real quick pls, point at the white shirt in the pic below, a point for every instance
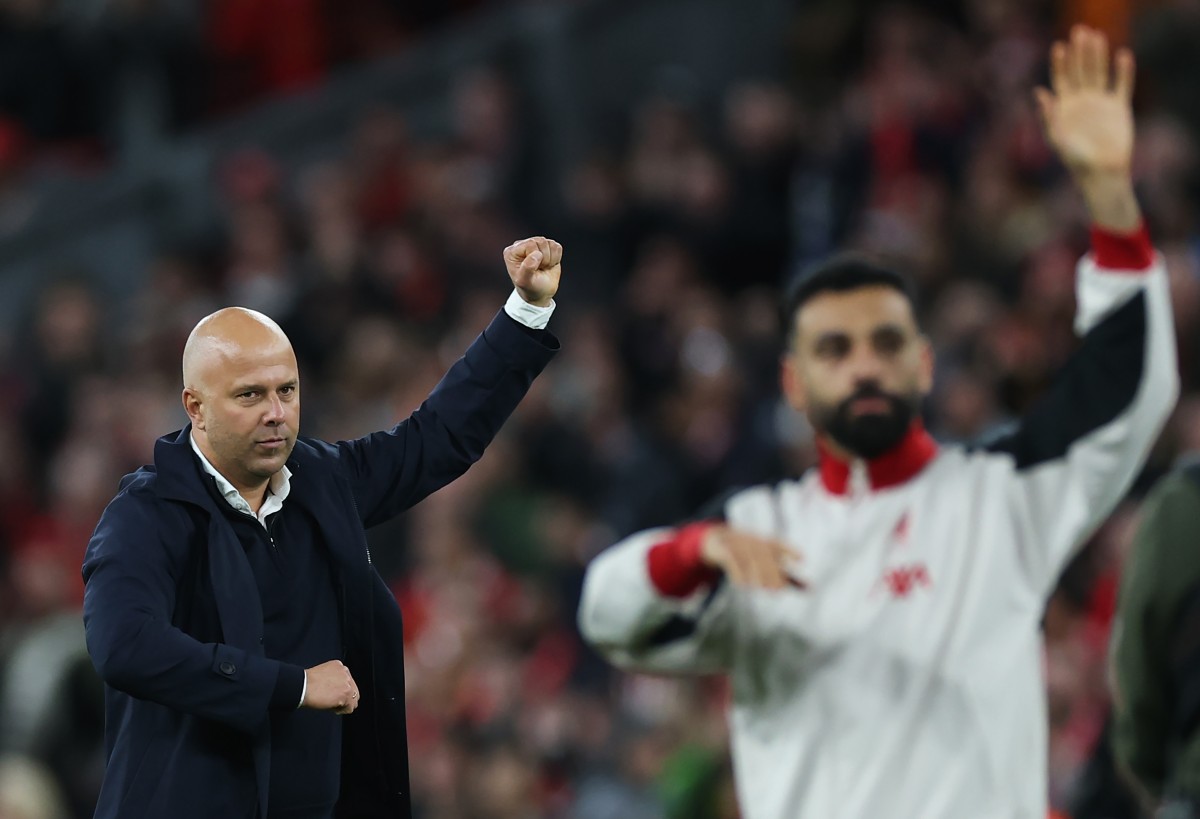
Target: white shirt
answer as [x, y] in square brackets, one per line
[277, 489]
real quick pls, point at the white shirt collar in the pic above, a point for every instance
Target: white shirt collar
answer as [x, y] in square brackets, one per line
[277, 489]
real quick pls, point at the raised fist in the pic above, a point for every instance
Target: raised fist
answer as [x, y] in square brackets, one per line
[534, 266]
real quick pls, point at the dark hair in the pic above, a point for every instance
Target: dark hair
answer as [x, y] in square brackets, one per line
[840, 273]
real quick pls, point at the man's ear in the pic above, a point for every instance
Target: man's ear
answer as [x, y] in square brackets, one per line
[792, 383]
[193, 405]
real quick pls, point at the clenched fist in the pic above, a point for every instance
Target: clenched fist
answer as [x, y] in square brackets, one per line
[534, 266]
[330, 688]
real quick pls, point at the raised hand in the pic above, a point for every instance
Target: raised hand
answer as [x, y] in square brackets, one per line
[1088, 117]
[749, 560]
[329, 687]
[534, 265]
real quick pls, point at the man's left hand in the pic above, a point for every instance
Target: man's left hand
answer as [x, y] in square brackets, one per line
[1089, 120]
[1088, 117]
[534, 265]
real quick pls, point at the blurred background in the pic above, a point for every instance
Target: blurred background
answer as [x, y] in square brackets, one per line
[354, 169]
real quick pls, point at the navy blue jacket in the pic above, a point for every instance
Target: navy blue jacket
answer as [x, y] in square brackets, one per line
[174, 623]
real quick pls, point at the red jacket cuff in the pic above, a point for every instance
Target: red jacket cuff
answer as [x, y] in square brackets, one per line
[1122, 251]
[674, 565]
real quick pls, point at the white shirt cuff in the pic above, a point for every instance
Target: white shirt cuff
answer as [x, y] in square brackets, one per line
[532, 316]
[303, 691]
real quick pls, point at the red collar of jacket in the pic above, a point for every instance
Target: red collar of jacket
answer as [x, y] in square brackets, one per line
[896, 466]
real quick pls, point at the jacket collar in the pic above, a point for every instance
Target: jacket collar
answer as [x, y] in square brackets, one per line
[178, 474]
[896, 466]
[277, 488]
[181, 477]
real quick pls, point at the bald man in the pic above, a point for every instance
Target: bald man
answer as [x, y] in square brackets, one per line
[251, 654]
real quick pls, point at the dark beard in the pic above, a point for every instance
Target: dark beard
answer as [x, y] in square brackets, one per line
[871, 435]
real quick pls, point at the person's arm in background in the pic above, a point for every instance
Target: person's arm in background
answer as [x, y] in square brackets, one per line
[1155, 653]
[665, 599]
[392, 470]
[1077, 451]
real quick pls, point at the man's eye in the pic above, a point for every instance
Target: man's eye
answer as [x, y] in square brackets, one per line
[832, 349]
[889, 343]
[287, 390]
[250, 394]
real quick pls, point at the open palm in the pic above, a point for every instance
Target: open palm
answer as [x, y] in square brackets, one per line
[1088, 116]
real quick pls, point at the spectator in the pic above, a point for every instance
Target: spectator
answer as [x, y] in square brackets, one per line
[1155, 654]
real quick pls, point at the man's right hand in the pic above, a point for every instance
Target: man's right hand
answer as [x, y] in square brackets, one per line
[329, 687]
[749, 560]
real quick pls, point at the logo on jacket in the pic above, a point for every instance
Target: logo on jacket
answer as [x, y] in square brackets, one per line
[901, 581]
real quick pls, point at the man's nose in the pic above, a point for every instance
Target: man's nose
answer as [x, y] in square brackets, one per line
[274, 413]
[866, 365]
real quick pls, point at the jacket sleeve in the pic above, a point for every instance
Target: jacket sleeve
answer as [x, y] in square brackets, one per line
[390, 471]
[131, 571]
[648, 605]
[1155, 652]
[1075, 454]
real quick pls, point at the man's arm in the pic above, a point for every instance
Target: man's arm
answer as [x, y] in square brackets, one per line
[1077, 451]
[665, 599]
[650, 604]
[131, 570]
[390, 471]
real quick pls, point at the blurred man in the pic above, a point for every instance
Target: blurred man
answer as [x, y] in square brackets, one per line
[251, 653]
[1156, 651]
[879, 617]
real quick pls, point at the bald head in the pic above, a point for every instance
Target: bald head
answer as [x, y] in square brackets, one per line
[241, 390]
[227, 336]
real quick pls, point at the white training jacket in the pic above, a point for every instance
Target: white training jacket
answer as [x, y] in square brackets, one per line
[905, 682]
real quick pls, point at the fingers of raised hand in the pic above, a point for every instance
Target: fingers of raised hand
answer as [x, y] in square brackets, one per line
[517, 255]
[1091, 54]
[1125, 74]
[1083, 64]
[534, 253]
[1060, 79]
[533, 262]
[550, 250]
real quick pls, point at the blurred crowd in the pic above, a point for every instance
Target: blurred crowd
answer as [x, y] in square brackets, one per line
[82, 79]
[907, 132]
